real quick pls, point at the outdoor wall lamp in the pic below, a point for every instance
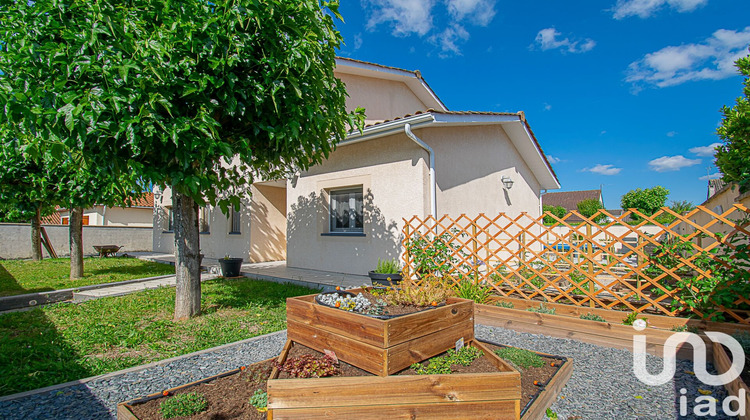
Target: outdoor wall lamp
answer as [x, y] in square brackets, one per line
[507, 182]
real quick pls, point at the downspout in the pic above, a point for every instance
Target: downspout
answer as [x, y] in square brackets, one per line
[431, 154]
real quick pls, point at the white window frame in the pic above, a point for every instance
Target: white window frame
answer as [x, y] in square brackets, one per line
[235, 221]
[352, 191]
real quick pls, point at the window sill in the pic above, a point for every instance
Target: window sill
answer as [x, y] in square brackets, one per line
[354, 234]
[204, 233]
[167, 231]
[234, 233]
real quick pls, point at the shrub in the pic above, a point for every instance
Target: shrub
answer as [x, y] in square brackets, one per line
[433, 256]
[558, 211]
[522, 358]
[183, 405]
[466, 288]
[590, 207]
[443, 364]
[430, 290]
[388, 267]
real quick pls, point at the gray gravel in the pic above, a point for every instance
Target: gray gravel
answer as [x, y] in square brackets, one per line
[97, 399]
[603, 385]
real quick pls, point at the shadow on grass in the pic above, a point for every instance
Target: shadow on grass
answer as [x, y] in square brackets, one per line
[9, 285]
[238, 293]
[145, 269]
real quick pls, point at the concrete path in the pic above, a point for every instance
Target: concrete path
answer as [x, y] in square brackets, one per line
[125, 289]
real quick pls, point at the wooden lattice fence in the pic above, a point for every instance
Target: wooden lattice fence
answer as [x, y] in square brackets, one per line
[666, 263]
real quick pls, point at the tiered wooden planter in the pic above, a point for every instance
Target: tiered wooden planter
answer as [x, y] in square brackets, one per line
[381, 347]
[475, 396]
[722, 363]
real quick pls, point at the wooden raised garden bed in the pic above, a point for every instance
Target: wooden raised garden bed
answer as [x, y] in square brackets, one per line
[478, 395]
[722, 363]
[379, 346]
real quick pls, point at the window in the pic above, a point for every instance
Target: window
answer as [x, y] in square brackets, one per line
[169, 222]
[346, 210]
[234, 222]
[203, 215]
[64, 220]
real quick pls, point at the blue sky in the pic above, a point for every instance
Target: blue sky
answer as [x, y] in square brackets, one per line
[620, 93]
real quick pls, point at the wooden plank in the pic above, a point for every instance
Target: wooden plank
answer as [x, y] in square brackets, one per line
[423, 323]
[500, 363]
[614, 336]
[405, 354]
[124, 412]
[304, 310]
[382, 391]
[282, 356]
[47, 243]
[362, 355]
[722, 364]
[549, 394]
[484, 410]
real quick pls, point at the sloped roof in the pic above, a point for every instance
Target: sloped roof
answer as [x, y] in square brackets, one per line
[52, 219]
[569, 199]
[144, 200]
[714, 187]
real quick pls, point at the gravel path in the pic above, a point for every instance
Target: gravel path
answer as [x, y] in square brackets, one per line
[603, 385]
[97, 399]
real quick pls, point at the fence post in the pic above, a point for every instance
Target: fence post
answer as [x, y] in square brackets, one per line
[589, 258]
[475, 260]
[405, 270]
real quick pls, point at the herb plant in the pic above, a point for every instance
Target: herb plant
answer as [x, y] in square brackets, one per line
[592, 317]
[467, 288]
[388, 267]
[631, 318]
[522, 358]
[443, 364]
[542, 309]
[308, 366]
[183, 405]
[430, 291]
[504, 304]
[259, 399]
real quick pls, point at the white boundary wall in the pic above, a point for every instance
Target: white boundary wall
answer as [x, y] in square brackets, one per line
[15, 239]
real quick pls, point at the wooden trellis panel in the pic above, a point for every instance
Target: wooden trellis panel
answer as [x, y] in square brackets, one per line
[583, 263]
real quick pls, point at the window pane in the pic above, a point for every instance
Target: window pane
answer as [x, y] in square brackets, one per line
[235, 221]
[341, 211]
[358, 210]
[346, 211]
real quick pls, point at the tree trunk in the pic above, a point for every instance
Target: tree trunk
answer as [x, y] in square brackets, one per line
[187, 257]
[36, 235]
[75, 233]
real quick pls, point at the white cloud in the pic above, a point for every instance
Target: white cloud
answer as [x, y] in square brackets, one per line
[710, 176]
[552, 159]
[671, 134]
[646, 8]
[406, 16]
[547, 106]
[357, 41]
[672, 163]
[549, 39]
[705, 150]
[712, 59]
[449, 39]
[603, 169]
[417, 17]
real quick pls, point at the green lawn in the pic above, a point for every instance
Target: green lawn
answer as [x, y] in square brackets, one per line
[64, 342]
[20, 276]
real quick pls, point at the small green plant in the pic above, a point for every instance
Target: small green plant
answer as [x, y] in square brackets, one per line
[183, 405]
[431, 291]
[631, 318]
[542, 309]
[504, 304]
[443, 364]
[259, 399]
[593, 317]
[522, 358]
[551, 415]
[685, 328]
[388, 267]
[308, 366]
[466, 288]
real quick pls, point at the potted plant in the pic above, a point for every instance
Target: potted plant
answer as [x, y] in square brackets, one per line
[386, 273]
[230, 267]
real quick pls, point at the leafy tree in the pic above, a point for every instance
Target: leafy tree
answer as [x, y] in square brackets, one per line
[589, 207]
[733, 157]
[647, 201]
[200, 97]
[558, 211]
[682, 207]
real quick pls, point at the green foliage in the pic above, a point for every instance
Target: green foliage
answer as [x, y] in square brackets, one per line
[467, 288]
[531, 278]
[183, 405]
[433, 256]
[685, 328]
[590, 207]
[388, 267]
[551, 415]
[504, 304]
[558, 211]
[430, 291]
[682, 207]
[630, 319]
[733, 157]
[593, 317]
[522, 358]
[64, 342]
[542, 309]
[444, 364]
[580, 279]
[743, 337]
[259, 399]
[647, 201]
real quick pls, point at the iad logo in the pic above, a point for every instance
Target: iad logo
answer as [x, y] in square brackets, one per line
[705, 405]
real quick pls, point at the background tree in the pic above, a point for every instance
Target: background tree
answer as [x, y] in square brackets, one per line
[647, 201]
[733, 157]
[200, 97]
[589, 207]
[558, 211]
[682, 207]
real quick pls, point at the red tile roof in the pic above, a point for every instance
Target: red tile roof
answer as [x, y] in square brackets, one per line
[52, 219]
[569, 199]
[144, 200]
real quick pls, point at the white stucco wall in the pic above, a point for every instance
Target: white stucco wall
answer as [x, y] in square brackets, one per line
[382, 99]
[15, 239]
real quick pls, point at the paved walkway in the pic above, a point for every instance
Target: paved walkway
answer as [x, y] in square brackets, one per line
[276, 271]
[125, 289]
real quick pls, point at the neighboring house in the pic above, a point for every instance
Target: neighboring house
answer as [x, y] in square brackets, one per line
[720, 197]
[414, 157]
[140, 214]
[569, 200]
